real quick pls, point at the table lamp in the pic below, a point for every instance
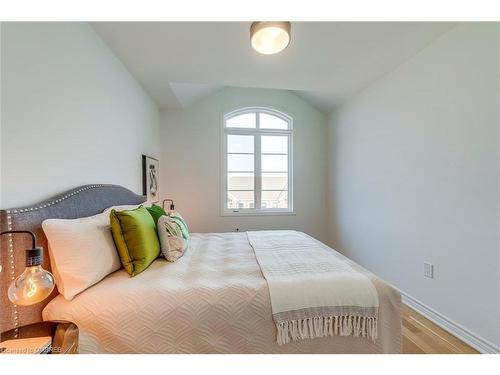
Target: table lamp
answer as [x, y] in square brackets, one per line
[172, 206]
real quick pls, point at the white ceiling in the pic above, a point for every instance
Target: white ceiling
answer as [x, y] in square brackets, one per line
[326, 62]
[189, 93]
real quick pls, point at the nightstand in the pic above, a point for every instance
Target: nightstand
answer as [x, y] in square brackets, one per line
[41, 338]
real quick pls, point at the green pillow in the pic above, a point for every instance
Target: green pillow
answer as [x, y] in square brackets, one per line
[179, 220]
[135, 237]
[156, 212]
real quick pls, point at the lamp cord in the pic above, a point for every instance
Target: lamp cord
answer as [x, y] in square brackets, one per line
[33, 237]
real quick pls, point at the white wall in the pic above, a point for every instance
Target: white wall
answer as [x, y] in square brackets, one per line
[71, 113]
[414, 177]
[190, 162]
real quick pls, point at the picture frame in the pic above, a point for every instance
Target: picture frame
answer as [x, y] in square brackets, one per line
[150, 178]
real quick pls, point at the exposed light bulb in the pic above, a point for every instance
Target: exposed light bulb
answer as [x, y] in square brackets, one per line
[32, 286]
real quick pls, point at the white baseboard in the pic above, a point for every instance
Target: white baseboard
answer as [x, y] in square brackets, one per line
[477, 342]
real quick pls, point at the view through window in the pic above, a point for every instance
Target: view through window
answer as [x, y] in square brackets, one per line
[257, 161]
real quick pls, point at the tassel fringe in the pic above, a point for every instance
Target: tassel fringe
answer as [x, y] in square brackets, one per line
[323, 326]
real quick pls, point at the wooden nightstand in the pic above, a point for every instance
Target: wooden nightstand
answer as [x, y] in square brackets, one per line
[42, 338]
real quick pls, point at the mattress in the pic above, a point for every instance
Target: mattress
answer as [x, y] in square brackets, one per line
[212, 300]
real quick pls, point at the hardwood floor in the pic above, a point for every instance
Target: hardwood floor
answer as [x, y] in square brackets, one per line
[421, 336]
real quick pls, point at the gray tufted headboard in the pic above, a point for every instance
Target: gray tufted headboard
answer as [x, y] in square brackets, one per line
[83, 201]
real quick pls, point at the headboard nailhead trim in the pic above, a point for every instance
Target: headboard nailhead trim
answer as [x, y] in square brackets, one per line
[26, 209]
[15, 315]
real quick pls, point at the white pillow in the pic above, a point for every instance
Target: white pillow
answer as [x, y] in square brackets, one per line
[172, 244]
[82, 252]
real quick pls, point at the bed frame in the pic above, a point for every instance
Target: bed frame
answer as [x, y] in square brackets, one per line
[82, 201]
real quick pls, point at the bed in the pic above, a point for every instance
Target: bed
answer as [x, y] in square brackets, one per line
[214, 299]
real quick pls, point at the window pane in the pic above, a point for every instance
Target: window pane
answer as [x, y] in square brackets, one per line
[274, 163]
[274, 144]
[248, 120]
[240, 199]
[239, 163]
[274, 199]
[240, 143]
[267, 121]
[240, 181]
[274, 181]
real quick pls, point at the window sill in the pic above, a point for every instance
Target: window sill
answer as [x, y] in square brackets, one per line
[262, 213]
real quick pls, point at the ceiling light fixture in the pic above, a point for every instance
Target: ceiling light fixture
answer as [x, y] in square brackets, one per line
[269, 38]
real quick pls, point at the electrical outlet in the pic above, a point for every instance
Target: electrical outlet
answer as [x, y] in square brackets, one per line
[429, 270]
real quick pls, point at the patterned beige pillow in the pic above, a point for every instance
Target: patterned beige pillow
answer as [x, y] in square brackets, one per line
[172, 244]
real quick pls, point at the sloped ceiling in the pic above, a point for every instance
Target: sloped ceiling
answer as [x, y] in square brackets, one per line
[326, 63]
[189, 93]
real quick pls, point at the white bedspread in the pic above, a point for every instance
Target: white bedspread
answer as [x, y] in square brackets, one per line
[212, 300]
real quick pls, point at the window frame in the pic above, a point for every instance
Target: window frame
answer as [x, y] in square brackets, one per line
[256, 132]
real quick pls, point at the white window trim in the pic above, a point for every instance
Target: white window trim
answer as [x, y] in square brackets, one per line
[254, 131]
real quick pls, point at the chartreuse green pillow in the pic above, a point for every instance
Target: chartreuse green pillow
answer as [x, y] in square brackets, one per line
[156, 212]
[134, 233]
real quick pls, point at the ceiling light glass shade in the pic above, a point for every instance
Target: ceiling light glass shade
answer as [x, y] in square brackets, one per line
[270, 37]
[32, 286]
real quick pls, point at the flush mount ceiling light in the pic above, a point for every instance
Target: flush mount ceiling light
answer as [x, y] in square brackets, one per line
[270, 37]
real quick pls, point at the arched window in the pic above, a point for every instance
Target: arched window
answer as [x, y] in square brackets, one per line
[257, 162]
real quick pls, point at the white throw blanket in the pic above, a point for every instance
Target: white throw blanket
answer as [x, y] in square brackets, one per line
[314, 293]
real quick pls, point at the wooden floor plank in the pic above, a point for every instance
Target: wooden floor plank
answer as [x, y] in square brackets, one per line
[420, 335]
[409, 347]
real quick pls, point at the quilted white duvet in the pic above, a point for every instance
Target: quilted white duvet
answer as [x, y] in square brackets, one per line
[212, 300]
